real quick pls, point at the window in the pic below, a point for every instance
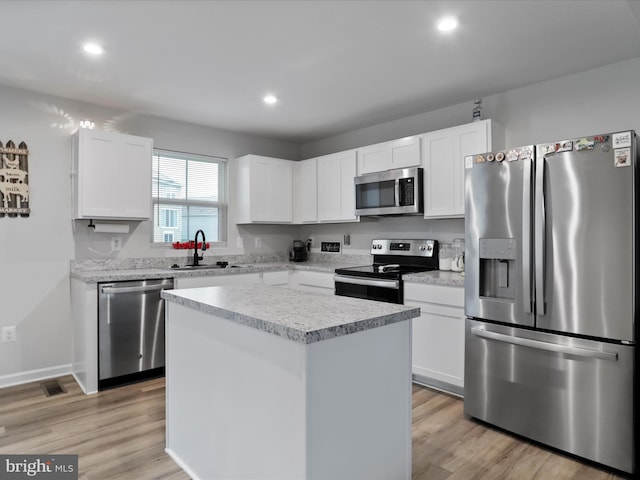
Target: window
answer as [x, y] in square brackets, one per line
[188, 195]
[169, 217]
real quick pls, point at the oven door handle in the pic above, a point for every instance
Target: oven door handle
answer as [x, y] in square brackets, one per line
[366, 282]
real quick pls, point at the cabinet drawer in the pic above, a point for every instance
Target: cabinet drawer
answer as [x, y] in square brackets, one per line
[437, 294]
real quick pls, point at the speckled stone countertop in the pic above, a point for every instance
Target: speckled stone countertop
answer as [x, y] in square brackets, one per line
[436, 277]
[91, 276]
[303, 317]
[152, 268]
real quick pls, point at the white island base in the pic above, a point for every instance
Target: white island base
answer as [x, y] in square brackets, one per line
[246, 404]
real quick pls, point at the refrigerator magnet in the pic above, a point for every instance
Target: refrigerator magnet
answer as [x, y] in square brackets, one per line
[513, 155]
[564, 146]
[547, 148]
[622, 157]
[468, 161]
[621, 140]
[585, 144]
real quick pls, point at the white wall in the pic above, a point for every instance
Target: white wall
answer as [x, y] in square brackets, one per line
[597, 101]
[35, 252]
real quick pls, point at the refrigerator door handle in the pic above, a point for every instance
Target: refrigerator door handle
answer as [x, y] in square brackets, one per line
[540, 234]
[549, 347]
[526, 239]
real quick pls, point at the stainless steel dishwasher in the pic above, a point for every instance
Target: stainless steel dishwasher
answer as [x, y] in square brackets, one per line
[130, 331]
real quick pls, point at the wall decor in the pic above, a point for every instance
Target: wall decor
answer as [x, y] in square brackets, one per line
[14, 180]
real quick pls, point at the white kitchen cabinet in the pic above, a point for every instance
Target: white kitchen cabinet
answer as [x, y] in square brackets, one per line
[443, 153]
[264, 190]
[336, 191]
[437, 335]
[111, 176]
[319, 282]
[216, 280]
[305, 191]
[401, 153]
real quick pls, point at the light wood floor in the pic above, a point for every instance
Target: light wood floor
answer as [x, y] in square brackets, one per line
[119, 434]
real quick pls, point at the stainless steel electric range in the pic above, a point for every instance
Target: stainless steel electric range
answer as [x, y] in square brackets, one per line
[392, 259]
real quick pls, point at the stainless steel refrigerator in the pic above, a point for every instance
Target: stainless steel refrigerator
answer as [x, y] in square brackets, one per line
[551, 276]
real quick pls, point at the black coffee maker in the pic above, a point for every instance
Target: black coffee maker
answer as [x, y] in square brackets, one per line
[298, 252]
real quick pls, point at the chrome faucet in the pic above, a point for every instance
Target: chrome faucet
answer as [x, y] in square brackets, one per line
[196, 257]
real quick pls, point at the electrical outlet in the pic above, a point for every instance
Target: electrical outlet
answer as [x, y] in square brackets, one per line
[239, 243]
[116, 243]
[258, 242]
[9, 334]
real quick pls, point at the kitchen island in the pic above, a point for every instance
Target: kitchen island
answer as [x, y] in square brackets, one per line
[272, 383]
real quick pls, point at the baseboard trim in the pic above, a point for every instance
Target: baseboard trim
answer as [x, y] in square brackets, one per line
[34, 375]
[181, 464]
[438, 385]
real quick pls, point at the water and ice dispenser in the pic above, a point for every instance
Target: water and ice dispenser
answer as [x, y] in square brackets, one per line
[497, 268]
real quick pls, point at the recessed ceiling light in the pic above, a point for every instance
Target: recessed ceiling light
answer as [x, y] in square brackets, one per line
[270, 99]
[447, 24]
[93, 48]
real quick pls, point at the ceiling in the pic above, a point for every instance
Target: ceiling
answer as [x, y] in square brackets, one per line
[336, 66]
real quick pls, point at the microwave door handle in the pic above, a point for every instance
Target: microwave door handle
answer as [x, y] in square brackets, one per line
[397, 192]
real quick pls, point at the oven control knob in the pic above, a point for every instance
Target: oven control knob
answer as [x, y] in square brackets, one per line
[423, 247]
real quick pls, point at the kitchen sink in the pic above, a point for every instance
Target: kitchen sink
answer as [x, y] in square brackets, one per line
[205, 266]
[195, 267]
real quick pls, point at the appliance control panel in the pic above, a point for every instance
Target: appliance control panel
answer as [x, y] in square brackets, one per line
[416, 247]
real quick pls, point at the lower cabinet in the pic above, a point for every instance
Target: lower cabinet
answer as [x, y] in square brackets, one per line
[215, 280]
[437, 336]
[319, 282]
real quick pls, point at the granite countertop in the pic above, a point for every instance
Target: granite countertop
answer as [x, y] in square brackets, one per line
[437, 277]
[301, 316]
[90, 276]
[148, 272]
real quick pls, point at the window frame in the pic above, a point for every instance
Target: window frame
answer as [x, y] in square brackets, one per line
[158, 203]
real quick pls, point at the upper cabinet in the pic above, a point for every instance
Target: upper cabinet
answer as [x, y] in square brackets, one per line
[264, 189]
[336, 192]
[443, 153]
[111, 177]
[401, 153]
[305, 191]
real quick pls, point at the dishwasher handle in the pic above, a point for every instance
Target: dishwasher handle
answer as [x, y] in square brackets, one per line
[137, 289]
[549, 347]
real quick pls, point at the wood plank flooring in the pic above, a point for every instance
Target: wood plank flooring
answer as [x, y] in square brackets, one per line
[119, 435]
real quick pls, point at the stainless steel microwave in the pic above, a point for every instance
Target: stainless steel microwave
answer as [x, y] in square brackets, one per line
[393, 192]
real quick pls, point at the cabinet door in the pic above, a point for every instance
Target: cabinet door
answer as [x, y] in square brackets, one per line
[405, 152]
[135, 177]
[374, 158]
[113, 175]
[443, 157]
[264, 190]
[305, 191]
[467, 140]
[98, 171]
[401, 153]
[439, 174]
[336, 193]
[438, 335]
